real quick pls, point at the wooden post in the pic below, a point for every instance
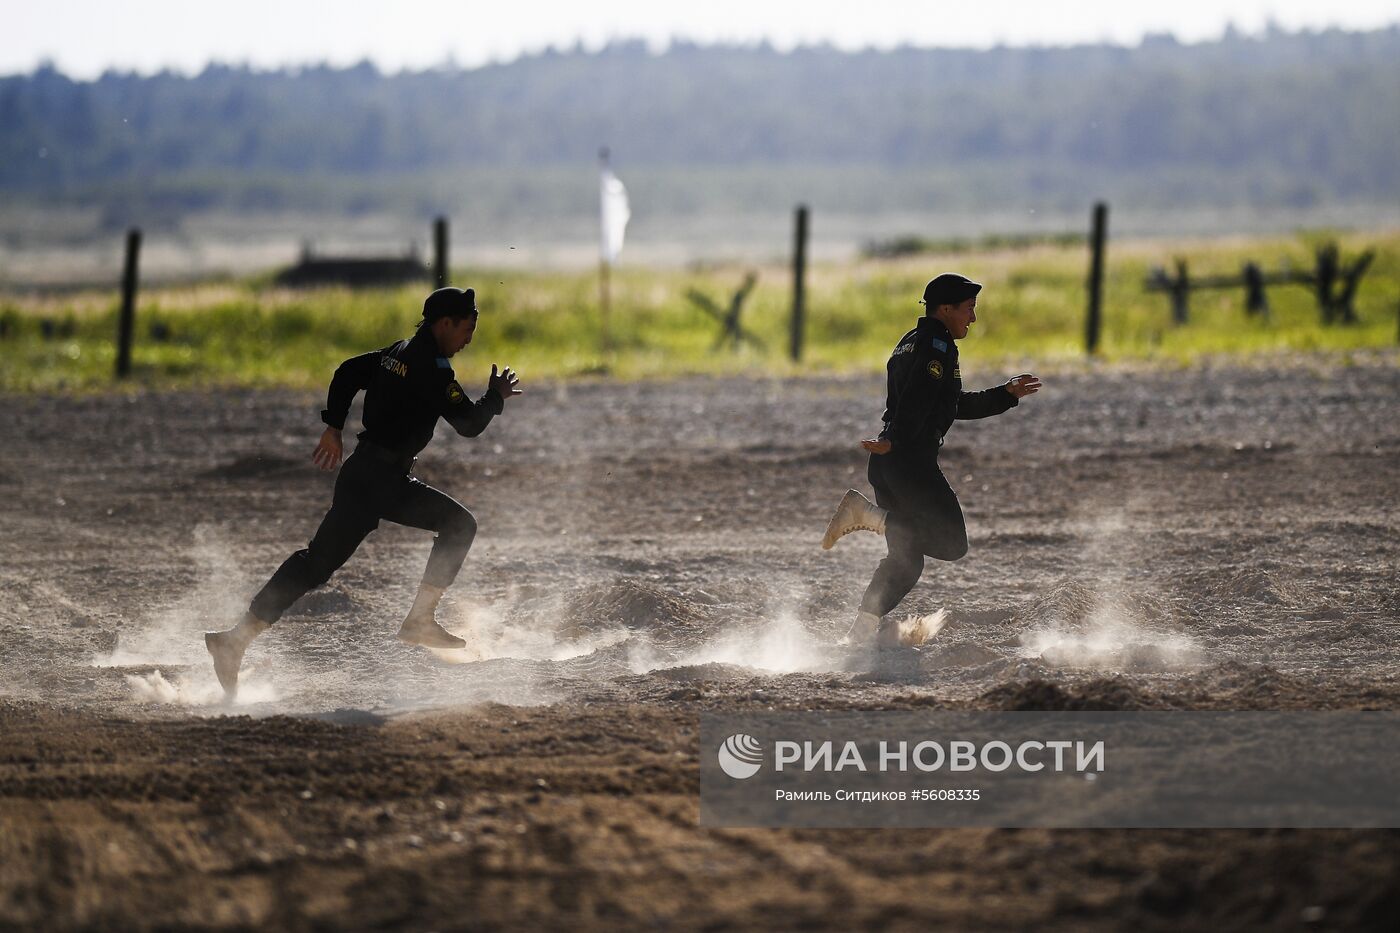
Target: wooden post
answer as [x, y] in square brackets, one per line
[1255, 301]
[440, 252]
[1096, 241]
[1181, 294]
[799, 275]
[1351, 278]
[1323, 279]
[126, 324]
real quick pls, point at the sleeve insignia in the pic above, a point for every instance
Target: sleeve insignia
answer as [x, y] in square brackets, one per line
[935, 369]
[454, 393]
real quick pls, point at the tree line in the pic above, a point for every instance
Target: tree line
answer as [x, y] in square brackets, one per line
[1312, 111]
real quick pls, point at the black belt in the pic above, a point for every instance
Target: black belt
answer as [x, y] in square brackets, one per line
[404, 461]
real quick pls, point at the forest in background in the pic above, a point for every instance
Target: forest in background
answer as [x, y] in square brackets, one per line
[1278, 120]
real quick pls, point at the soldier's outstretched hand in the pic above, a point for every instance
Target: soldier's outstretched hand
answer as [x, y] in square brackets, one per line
[1023, 385]
[506, 383]
[876, 445]
[328, 450]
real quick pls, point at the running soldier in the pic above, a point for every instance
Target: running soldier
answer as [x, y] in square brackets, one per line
[408, 386]
[915, 508]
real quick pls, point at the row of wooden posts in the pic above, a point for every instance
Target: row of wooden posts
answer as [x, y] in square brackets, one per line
[1334, 284]
[733, 332]
[732, 329]
[1329, 274]
[126, 320]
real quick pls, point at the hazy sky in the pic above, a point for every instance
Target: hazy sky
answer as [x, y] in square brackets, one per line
[83, 37]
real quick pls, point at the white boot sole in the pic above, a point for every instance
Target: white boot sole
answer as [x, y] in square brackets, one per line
[844, 521]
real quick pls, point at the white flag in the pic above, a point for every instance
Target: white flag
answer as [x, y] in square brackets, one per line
[615, 214]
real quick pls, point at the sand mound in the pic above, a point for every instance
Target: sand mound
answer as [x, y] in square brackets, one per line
[963, 655]
[1258, 585]
[703, 673]
[1228, 686]
[1111, 693]
[628, 604]
[1236, 685]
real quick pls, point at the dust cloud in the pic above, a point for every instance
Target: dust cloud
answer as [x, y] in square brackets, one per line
[169, 639]
[495, 631]
[781, 644]
[1111, 640]
[1112, 622]
[171, 635]
[185, 690]
[529, 650]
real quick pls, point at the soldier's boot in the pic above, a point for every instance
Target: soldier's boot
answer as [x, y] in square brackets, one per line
[421, 626]
[855, 513]
[862, 631]
[227, 647]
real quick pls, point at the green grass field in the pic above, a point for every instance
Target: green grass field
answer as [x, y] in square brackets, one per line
[547, 325]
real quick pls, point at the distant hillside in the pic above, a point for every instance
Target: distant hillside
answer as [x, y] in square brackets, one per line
[1286, 118]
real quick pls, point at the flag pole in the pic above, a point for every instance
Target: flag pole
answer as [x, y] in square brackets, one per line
[604, 294]
[605, 303]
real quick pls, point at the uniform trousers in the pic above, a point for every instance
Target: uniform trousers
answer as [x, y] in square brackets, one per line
[369, 489]
[925, 520]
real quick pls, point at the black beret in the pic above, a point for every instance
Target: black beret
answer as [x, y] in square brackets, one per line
[449, 302]
[949, 289]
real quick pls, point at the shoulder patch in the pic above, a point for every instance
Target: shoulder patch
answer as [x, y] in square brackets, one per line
[444, 363]
[454, 393]
[939, 345]
[935, 369]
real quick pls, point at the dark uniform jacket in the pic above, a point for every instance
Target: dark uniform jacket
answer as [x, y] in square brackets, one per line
[925, 391]
[408, 387]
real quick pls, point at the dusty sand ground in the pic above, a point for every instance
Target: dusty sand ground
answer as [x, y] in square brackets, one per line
[1224, 538]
